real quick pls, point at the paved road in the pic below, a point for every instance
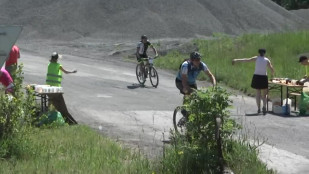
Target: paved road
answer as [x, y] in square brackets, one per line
[104, 95]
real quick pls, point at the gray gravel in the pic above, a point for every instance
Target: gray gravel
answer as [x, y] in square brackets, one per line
[121, 19]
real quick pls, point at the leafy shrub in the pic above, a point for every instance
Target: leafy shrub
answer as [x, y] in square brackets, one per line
[197, 152]
[17, 112]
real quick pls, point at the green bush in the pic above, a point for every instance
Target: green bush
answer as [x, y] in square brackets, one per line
[17, 112]
[197, 152]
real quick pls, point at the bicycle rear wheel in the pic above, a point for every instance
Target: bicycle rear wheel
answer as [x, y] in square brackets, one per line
[154, 77]
[179, 120]
[139, 75]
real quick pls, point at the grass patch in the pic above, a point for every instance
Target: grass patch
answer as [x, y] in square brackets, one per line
[73, 149]
[79, 149]
[239, 156]
[243, 158]
[283, 49]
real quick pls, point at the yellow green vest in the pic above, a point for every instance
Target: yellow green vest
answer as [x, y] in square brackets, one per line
[54, 74]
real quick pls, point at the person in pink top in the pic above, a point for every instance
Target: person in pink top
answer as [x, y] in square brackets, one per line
[11, 62]
[7, 81]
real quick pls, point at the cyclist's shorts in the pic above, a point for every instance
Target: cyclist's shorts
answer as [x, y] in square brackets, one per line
[180, 86]
[141, 56]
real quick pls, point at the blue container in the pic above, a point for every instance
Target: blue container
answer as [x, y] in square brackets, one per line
[286, 109]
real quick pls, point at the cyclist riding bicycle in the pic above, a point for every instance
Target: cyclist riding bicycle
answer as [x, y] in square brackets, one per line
[188, 72]
[186, 78]
[141, 51]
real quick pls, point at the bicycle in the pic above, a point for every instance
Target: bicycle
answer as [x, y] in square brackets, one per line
[147, 69]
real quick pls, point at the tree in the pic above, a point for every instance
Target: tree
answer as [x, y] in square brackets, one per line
[293, 4]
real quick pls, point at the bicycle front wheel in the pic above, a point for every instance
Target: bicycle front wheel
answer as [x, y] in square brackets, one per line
[179, 120]
[154, 77]
[139, 75]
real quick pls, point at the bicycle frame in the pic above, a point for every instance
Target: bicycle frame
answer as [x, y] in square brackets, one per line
[146, 68]
[147, 62]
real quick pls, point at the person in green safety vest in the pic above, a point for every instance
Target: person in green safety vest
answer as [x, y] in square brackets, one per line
[54, 71]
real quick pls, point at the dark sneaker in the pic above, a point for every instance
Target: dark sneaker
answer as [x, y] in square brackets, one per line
[259, 111]
[264, 111]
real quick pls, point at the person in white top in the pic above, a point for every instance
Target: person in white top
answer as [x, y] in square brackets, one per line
[260, 79]
[142, 47]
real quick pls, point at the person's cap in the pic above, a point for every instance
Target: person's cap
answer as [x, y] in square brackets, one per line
[55, 55]
[302, 58]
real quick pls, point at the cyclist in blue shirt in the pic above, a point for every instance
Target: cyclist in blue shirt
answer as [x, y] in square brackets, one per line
[188, 72]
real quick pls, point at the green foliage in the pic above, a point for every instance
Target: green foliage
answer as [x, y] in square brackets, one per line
[16, 115]
[171, 61]
[197, 152]
[293, 4]
[207, 104]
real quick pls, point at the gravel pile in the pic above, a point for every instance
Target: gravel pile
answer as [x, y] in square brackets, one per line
[69, 20]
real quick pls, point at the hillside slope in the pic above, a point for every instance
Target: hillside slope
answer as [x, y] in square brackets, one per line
[67, 20]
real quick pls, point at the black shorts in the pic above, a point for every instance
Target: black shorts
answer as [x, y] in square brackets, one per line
[259, 82]
[141, 56]
[180, 86]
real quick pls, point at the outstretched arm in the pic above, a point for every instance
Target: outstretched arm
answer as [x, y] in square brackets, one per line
[252, 59]
[212, 77]
[67, 72]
